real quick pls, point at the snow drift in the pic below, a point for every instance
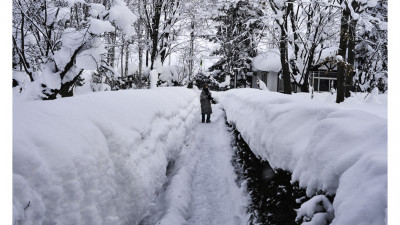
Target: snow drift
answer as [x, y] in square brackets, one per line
[97, 158]
[327, 147]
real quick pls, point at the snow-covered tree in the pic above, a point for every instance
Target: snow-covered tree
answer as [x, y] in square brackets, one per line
[159, 17]
[353, 11]
[314, 27]
[55, 41]
[65, 38]
[238, 33]
[371, 54]
[282, 11]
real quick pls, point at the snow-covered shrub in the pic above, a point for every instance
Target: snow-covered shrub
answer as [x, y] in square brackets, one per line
[316, 211]
[341, 151]
[202, 78]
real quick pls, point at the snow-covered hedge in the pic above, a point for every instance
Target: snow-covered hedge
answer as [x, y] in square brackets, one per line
[96, 158]
[327, 147]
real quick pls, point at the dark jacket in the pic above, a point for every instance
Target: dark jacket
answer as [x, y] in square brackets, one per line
[205, 98]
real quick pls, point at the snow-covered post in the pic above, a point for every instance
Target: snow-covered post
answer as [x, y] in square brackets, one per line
[153, 78]
[312, 86]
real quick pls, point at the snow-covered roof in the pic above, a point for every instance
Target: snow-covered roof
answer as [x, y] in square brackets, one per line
[269, 61]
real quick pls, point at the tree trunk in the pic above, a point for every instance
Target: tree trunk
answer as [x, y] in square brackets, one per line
[22, 62]
[147, 46]
[111, 49]
[344, 29]
[283, 48]
[77, 14]
[71, 62]
[127, 59]
[23, 40]
[295, 35]
[306, 84]
[147, 57]
[350, 58]
[113, 39]
[283, 45]
[191, 52]
[67, 88]
[164, 46]
[140, 50]
[155, 31]
[122, 55]
[22, 56]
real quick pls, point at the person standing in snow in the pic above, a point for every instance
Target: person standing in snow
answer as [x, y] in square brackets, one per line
[205, 101]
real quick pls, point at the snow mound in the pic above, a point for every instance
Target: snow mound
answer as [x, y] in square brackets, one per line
[97, 158]
[326, 147]
[373, 97]
[262, 85]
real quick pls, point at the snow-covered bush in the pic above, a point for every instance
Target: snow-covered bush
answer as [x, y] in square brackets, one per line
[318, 210]
[202, 78]
[338, 149]
[169, 76]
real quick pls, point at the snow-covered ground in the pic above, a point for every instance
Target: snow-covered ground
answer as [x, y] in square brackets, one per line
[96, 158]
[102, 158]
[340, 149]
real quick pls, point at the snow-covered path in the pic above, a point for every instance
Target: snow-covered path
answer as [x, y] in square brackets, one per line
[216, 198]
[202, 189]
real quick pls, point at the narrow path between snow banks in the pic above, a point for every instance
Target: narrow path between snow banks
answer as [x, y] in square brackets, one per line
[216, 198]
[202, 188]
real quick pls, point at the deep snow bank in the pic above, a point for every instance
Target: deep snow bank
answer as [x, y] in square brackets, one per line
[326, 147]
[96, 158]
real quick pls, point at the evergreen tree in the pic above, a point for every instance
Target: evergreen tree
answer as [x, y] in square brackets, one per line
[238, 33]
